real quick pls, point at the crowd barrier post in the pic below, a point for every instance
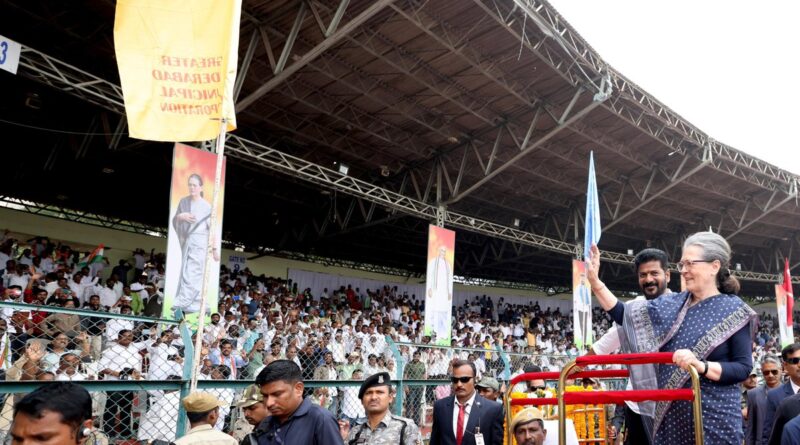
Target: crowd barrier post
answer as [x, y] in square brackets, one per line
[188, 367]
[401, 368]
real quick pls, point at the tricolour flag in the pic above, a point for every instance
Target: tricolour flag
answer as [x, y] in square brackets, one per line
[95, 256]
[784, 298]
[787, 286]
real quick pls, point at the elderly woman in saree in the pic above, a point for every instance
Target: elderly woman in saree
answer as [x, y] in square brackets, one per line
[192, 223]
[706, 327]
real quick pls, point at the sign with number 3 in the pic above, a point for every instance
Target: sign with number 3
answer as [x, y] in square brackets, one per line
[9, 55]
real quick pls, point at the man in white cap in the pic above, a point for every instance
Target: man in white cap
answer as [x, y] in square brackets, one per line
[203, 411]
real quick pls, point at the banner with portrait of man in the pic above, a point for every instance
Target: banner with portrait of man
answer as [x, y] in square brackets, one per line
[581, 306]
[439, 284]
[188, 234]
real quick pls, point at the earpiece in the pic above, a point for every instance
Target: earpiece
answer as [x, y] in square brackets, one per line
[84, 434]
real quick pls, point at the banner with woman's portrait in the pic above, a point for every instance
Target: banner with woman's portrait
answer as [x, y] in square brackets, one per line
[188, 233]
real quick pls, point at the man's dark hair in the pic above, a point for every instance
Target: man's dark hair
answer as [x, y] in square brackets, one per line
[69, 400]
[198, 417]
[647, 255]
[280, 370]
[459, 363]
[791, 349]
[224, 370]
[530, 367]
[123, 332]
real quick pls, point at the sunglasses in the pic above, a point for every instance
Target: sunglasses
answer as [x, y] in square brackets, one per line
[465, 379]
[772, 372]
[792, 360]
[541, 387]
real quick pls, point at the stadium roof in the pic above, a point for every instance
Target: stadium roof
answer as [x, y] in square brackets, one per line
[488, 108]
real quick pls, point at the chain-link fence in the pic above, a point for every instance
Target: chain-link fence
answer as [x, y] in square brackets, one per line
[133, 366]
[137, 368]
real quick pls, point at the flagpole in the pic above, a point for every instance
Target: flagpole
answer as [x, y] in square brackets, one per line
[212, 244]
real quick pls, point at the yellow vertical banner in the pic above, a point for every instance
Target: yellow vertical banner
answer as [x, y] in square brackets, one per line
[177, 66]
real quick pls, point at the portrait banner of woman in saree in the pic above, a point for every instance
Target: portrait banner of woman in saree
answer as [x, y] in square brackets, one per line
[188, 237]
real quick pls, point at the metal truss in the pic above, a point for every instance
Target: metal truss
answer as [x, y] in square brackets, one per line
[82, 217]
[334, 32]
[101, 92]
[574, 60]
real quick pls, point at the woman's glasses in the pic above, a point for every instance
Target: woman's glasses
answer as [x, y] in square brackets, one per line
[465, 379]
[685, 264]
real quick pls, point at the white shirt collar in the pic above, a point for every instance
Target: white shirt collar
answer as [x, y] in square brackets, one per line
[794, 387]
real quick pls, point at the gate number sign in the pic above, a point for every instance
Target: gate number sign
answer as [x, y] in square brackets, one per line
[9, 55]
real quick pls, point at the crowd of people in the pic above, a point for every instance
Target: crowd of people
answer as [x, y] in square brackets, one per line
[338, 335]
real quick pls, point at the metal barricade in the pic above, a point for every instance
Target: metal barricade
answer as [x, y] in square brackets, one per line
[572, 398]
[508, 402]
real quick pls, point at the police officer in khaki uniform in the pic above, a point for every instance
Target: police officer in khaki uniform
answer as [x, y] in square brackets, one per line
[203, 411]
[528, 427]
[253, 411]
[382, 427]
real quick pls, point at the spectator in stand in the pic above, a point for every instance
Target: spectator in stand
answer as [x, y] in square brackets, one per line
[224, 355]
[120, 362]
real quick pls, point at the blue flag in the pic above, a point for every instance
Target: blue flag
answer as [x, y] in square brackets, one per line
[582, 297]
[592, 231]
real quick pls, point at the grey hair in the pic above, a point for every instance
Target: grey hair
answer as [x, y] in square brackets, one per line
[716, 248]
[769, 358]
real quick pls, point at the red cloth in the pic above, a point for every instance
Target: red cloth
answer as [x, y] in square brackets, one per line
[618, 397]
[787, 286]
[460, 425]
[615, 397]
[625, 359]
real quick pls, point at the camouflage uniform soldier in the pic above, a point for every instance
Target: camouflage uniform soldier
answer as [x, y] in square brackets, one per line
[382, 427]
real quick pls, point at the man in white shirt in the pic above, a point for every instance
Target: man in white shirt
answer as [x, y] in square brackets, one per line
[165, 359]
[352, 408]
[121, 361]
[68, 368]
[337, 348]
[18, 277]
[115, 326]
[161, 419]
